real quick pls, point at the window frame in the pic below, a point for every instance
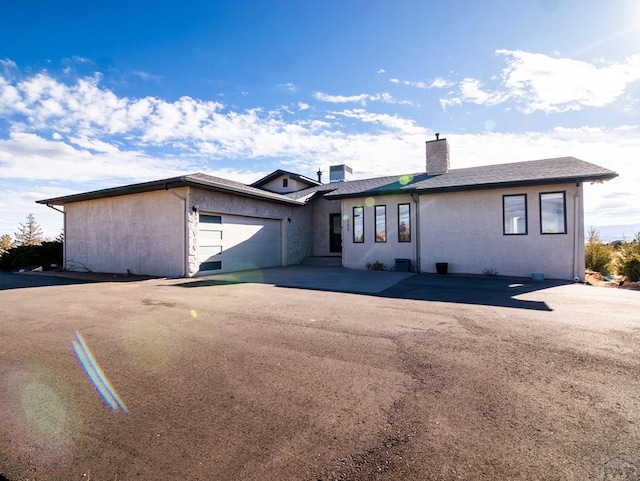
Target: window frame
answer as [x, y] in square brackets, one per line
[285, 182]
[400, 239]
[504, 215]
[564, 211]
[353, 212]
[375, 224]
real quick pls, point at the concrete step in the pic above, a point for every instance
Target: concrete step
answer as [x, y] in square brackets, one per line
[327, 261]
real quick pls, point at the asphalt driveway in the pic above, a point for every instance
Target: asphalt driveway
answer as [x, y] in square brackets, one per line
[318, 374]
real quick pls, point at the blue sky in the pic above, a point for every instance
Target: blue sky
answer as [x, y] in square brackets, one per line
[97, 95]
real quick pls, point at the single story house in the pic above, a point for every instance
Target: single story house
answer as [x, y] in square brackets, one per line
[512, 219]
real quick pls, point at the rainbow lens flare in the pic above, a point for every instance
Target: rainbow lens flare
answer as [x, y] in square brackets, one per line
[95, 374]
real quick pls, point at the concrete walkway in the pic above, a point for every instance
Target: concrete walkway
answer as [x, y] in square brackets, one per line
[320, 278]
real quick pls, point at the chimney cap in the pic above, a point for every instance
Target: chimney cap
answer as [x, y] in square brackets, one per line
[437, 135]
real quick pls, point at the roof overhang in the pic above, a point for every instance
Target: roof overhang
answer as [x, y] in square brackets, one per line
[382, 191]
[165, 184]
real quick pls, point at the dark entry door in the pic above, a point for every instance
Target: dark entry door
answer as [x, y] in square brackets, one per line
[335, 233]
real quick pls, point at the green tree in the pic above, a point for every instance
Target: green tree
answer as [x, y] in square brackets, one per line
[30, 233]
[629, 259]
[597, 255]
[6, 243]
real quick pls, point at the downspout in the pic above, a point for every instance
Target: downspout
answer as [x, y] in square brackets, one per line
[64, 234]
[416, 200]
[576, 228]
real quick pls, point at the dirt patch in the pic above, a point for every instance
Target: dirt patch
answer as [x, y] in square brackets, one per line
[593, 278]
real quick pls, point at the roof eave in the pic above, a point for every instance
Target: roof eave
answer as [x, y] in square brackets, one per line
[467, 187]
[518, 183]
[166, 184]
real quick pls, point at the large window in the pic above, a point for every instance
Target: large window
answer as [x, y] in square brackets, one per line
[381, 223]
[358, 224]
[553, 213]
[514, 214]
[404, 222]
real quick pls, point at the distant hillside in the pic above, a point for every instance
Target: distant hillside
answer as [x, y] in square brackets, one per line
[610, 233]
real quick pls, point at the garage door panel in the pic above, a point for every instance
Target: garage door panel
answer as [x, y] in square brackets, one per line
[233, 243]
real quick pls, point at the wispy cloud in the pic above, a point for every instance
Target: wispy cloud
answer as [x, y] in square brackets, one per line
[362, 99]
[538, 82]
[435, 83]
[288, 86]
[147, 76]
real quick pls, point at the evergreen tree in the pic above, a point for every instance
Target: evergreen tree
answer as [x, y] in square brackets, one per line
[29, 234]
[6, 243]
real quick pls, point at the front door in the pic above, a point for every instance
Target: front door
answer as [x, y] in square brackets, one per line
[335, 233]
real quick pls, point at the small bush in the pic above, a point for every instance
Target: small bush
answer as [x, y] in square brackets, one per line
[629, 259]
[32, 256]
[375, 266]
[597, 255]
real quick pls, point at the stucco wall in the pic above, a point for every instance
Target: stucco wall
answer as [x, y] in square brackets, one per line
[357, 255]
[321, 210]
[465, 229]
[143, 233]
[296, 235]
[293, 185]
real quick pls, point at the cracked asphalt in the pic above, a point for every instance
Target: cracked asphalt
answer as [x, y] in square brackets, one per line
[428, 378]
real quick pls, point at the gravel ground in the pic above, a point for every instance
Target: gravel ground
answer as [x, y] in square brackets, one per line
[258, 382]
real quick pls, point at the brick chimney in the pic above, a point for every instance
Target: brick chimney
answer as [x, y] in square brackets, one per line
[437, 156]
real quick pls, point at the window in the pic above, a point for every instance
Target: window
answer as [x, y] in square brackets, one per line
[210, 219]
[381, 223]
[514, 214]
[404, 223]
[211, 266]
[285, 182]
[553, 213]
[358, 224]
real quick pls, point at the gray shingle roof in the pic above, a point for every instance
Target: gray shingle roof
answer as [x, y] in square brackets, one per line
[545, 171]
[533, 172]
[204, 181]
[277, 173]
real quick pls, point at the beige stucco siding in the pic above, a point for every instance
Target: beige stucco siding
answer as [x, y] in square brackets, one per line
[293, 185]
[357, 255]
[140, 233]
[321, 210]
[465, 229]
[296, 234]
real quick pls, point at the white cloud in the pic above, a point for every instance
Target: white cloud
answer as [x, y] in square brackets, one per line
[147, 76]
[435, 83]
[288, 86]
[360, 98]
[440, 83]
[29, 156]
[303, 106]
[7, 63]
[381, 71]
[537, 82]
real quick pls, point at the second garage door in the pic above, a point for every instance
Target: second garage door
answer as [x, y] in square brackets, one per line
[228, 243]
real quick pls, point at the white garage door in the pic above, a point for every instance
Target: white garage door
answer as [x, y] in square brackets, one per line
[228, 243]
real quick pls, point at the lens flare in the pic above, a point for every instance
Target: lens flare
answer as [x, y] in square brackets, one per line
[405, 179]
[193, 313]
[369, 201]
[96, 375]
